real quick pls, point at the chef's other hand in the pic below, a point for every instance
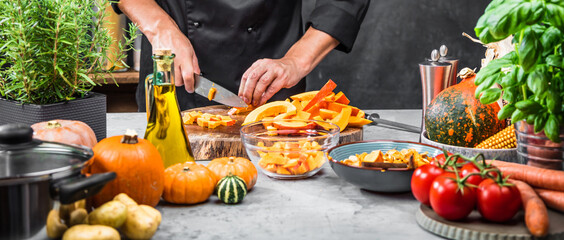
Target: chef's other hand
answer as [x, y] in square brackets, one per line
[185, 62]
[268, 76]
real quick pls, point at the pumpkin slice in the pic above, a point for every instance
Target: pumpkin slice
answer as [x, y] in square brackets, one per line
[341, 98]
[327, 114]
[298, 105]
[357, 122]
[301, 115]
[360, 114]
[294, 125]
[322, 123]
[270, 109]
[337, 107]
[342, 119]
[304, 96]
[324, 92]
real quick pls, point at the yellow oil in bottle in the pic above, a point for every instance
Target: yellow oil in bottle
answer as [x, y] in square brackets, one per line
[165, 129]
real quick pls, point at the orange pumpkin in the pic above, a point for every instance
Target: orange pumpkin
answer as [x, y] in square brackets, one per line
[138, 165]
[238, 166]
[188, 183]
[65, 131]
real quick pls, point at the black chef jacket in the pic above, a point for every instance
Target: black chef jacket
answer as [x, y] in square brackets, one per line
[228, 36]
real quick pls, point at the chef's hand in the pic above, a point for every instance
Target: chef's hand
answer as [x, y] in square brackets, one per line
[267, 76]
[185, 62]
[163, 33]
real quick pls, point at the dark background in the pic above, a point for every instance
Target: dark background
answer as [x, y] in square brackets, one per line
[382, 71]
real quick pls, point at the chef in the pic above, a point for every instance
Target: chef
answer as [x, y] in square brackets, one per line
[256, 48]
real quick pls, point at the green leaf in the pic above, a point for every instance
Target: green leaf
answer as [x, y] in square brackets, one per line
[484, 86]
[552, 128]
[503, 18]
[554, 61]
[517, 116]
[550, 39]
[510, 79]
[528, 106]
[506, 111]
[530, 119]
[540, 121]
[555, 14]
[553, 102]
[490, 95]
[529, 50]
[537, 82]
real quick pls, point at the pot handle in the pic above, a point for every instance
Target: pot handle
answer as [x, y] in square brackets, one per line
[77, 188]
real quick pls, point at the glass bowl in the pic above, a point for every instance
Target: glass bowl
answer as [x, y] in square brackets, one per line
[289, 148]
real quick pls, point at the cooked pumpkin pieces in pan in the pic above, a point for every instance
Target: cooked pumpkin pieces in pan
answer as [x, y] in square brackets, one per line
[392, 156]
[291, 158]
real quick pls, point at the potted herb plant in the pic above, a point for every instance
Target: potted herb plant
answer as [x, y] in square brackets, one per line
[532, 76]
[52, 53]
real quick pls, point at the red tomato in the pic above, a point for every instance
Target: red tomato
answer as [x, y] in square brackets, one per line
[448, 200]
[442, 159]
[471, 168]
[421, 181]
[498, 203]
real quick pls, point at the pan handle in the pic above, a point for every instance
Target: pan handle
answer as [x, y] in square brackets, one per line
[73, 189]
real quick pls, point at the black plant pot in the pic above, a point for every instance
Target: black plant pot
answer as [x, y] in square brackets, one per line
[90, 110]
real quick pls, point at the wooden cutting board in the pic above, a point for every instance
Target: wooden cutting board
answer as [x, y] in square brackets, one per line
[225, 141]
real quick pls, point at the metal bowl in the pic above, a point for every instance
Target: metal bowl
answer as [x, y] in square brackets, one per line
[376, 179]
[508, 155]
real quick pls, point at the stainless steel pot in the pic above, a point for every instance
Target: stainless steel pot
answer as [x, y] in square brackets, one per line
[33, 174]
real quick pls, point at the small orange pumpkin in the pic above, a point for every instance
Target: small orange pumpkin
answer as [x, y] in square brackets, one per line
[137, 164]
[188, 183]
[65, 131]
[238, 166]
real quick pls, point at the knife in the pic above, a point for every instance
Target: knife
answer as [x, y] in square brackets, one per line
[203, 85]
[375, 118]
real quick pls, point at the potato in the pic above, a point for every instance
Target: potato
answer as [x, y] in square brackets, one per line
[142, 220]
[80, 204]
[78, 216]
[153, 212]
[112, 213]
[55, 228]
[139, 223]
[65, 211]
[91, 232]
[123, 198]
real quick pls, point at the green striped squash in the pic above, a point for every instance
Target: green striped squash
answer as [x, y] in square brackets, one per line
[231, 189]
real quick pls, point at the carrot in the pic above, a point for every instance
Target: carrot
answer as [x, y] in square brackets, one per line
[536, 215]
[323, 92]
[553, 199]
[534, 176]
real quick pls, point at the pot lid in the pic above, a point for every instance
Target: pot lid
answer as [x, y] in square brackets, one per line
[23, 156]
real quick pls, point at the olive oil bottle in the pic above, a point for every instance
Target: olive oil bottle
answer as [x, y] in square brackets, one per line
[165, 129]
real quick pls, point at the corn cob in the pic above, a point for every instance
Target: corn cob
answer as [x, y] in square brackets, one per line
[502, 140]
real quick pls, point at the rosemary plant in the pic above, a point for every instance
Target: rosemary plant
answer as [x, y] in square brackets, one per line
[54, 50]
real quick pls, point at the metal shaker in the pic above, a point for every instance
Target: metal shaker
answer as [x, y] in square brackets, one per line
[453, 62]
[435, 76]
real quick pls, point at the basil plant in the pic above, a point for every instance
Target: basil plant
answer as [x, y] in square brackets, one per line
[531, 76]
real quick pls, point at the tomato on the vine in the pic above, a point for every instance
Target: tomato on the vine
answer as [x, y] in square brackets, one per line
[469, 168]
[498, 203]
[421, 181]
[450, 198]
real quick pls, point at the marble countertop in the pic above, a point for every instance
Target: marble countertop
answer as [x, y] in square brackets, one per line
[321, 207]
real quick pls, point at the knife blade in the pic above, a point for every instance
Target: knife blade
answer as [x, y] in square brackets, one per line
[203, 85]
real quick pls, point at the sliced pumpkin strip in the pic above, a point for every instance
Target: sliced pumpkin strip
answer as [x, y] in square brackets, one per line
[304, 96]
[270, 109]
[342, 119]
[323, 92]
